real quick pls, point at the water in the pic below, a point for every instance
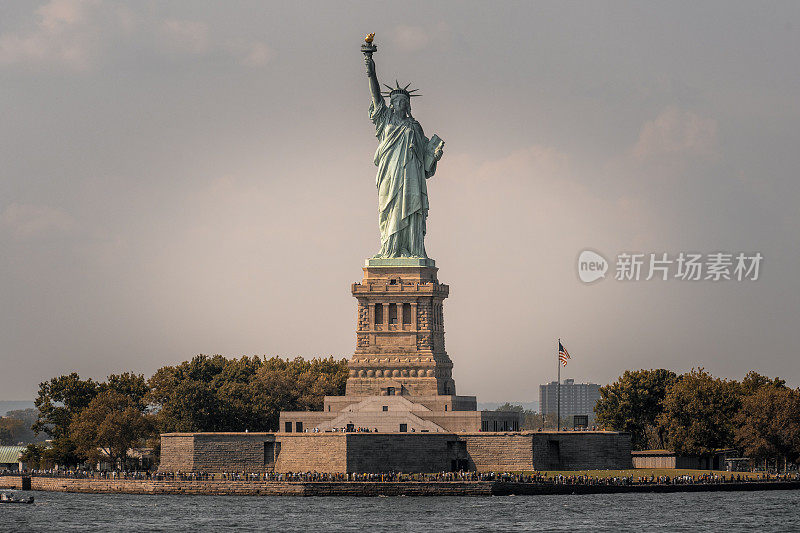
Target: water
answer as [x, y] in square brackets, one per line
[721, 511]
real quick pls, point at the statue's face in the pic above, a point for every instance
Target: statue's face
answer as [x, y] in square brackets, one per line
[401, 103]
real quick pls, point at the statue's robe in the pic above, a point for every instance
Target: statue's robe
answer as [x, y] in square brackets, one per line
[404, 160]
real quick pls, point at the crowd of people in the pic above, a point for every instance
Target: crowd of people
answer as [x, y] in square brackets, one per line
[345, 430]
[507, 477]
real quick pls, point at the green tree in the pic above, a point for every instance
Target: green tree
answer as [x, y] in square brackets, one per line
[185, 395]
[134, 386]
[238, 396]
[510, 408]
[753, 381]
[699, 413]
[10, 430]
[768, 424]
[112, 422]
[28, 417]
[219, 394]
[298, 385]
[58, 401]
[34, 456]
[206, 393]
[633, 404]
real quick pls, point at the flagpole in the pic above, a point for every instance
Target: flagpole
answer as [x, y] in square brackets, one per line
[558, 389]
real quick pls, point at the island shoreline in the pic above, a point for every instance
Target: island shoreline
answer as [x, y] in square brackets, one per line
[364, 488]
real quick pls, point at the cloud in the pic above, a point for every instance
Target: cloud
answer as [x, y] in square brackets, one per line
[80, 34]
[414, 38]
[675, 132]
[59, 37]
[29, 221]
[194, 38]
[411, 37]
[186, 35]
[672, 150]
[254, 54]
[533, 163]
[536, 185]
[63, 13]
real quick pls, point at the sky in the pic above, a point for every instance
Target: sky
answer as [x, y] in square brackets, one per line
[179, 178]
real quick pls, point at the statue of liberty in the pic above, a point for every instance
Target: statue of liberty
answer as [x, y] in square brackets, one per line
[405, 159]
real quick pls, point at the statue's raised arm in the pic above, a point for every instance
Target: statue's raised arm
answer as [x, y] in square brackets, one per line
[374, 87]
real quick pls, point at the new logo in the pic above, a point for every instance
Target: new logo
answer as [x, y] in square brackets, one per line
[591, 266]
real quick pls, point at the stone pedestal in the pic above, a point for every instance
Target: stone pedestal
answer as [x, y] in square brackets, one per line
[400, 374]
[400, 331]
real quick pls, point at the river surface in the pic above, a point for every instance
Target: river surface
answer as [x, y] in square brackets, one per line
[712, 511]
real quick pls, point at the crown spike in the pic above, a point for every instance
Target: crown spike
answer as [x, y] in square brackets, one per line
[397, 89]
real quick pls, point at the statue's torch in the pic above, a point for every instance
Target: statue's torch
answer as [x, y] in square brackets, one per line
[368, 48]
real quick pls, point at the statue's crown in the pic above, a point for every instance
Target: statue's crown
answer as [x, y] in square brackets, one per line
[399, 90]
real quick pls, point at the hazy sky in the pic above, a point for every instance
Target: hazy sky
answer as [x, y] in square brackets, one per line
[196, 177]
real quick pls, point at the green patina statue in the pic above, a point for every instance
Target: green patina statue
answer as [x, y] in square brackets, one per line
[405, 159]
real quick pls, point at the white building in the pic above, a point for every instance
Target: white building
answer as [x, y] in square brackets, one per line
[576, 398]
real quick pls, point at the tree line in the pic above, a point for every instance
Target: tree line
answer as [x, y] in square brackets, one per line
[692, 413]
[86, 419]
[697, 413]
[15, 427]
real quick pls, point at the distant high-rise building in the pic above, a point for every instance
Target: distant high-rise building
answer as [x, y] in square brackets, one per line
[576, 398]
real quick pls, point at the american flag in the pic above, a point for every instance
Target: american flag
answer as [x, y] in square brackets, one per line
[563, 354]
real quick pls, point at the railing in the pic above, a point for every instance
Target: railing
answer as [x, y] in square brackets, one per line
[428, 287]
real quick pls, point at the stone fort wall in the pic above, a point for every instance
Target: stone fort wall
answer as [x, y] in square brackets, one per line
[399, 452]
[312, 452]
[234, 452]
[590, 450]
[498, 452]
[376, 452]
[178, 452]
